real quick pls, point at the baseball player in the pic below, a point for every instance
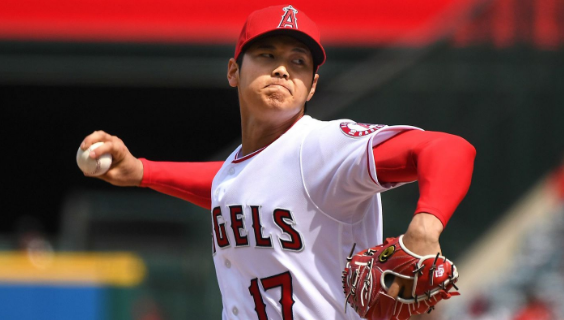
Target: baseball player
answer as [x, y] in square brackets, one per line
[287, 205]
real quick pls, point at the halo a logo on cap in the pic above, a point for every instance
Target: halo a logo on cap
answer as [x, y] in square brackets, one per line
[353, 129]
[289, 19]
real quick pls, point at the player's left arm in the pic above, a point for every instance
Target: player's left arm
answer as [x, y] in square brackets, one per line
[442, 164]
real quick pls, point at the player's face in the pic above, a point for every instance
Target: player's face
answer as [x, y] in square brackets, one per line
[276, 76]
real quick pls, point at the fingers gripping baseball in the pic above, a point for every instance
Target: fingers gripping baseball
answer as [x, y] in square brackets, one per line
[391, 282]
[125, 170]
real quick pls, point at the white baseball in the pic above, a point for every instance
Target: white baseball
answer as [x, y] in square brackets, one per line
[93, 167]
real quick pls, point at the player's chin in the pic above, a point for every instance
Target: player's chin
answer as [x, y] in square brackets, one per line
[279, 101]
[278, 96]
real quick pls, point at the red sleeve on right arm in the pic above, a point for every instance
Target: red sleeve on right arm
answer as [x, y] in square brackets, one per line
[190, 181]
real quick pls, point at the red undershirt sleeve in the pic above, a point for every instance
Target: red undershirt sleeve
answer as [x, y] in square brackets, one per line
[441, 163]
[191, 181]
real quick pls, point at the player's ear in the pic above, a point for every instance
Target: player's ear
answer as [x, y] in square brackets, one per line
[313, 86]
[233, 73]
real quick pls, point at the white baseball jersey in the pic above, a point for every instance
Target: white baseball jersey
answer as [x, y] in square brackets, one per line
[285, 218]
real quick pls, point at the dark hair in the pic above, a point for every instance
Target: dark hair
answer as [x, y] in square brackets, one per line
[239, 62]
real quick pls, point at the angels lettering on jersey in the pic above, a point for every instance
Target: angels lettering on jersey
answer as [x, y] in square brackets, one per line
[231, 230]
[290, 239]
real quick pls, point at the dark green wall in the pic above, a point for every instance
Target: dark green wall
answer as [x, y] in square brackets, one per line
[508, 103]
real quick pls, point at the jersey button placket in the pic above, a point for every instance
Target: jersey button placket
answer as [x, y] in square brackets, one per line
[227, 263]
[235, 311]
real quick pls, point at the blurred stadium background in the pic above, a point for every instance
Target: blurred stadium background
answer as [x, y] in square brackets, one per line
[153, 73]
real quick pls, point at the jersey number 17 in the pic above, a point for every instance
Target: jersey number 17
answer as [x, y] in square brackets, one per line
[282, 280]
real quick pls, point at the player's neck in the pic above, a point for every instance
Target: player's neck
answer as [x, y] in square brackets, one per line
[257, 133]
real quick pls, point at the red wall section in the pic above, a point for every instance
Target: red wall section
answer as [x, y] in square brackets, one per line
[367, 22]
[505, 23]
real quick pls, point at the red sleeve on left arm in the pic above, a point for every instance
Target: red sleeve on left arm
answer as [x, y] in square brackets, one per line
[442, 164]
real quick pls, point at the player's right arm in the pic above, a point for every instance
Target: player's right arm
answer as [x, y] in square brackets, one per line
[190, 181]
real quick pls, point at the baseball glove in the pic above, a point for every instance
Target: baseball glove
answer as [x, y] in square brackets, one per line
[368, 275]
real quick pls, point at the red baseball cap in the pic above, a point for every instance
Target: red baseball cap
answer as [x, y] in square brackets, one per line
[286, 20]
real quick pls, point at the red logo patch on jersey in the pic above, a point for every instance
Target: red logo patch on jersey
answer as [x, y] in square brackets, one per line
[289, 19]
[353, 129]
